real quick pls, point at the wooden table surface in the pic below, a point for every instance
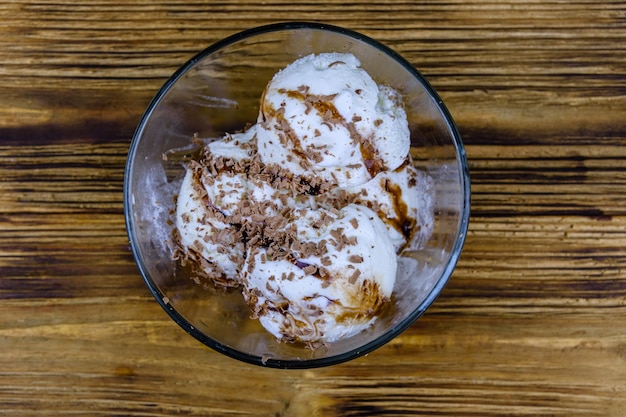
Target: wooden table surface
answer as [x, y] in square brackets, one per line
[533, 321]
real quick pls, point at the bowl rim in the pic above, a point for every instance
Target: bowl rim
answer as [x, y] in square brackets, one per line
[392, 332]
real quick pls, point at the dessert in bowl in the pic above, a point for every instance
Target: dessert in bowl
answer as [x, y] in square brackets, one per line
[296, 195]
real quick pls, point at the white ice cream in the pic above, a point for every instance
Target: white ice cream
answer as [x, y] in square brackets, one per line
[204, 236]
[392, 195]
[307, 210]
[324, 115]
[340, 273]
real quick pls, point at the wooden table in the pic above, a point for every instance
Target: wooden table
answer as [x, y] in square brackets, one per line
[533, 321]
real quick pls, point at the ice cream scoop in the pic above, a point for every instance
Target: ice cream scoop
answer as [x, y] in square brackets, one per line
[203, 238]
[402, 198]
[324, 115]
[328, 280]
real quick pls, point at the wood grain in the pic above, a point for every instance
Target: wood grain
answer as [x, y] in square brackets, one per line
[533, 321]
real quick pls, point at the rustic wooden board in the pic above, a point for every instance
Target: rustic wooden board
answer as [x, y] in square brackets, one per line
[533, 321]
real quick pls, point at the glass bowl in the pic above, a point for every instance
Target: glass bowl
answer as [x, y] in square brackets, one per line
[218, 91]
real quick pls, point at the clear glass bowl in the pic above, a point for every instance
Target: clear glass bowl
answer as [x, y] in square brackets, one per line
[218, 91]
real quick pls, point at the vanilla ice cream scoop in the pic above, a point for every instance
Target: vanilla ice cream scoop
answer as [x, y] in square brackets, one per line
[203, 236]
[326, 279]
[216, 197]
[324, 115]
[403, 199]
